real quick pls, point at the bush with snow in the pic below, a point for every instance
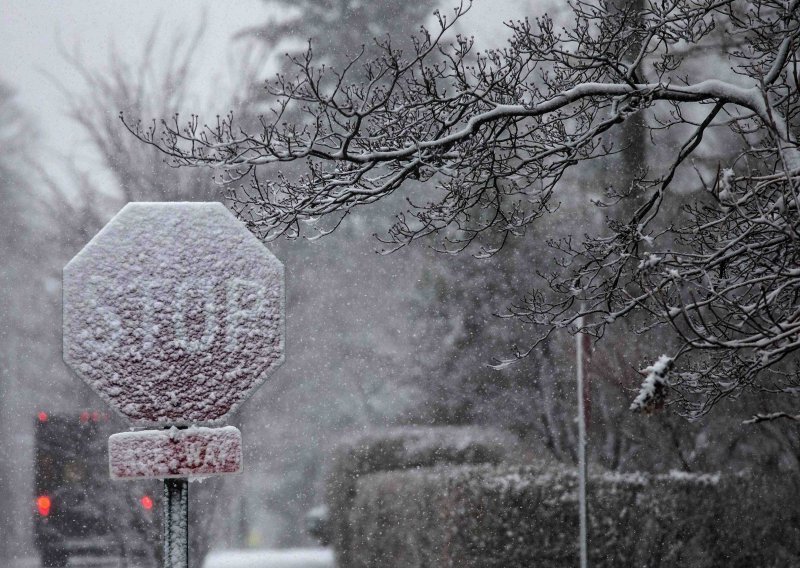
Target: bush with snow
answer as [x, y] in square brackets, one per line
[399, 449]
[523, 516]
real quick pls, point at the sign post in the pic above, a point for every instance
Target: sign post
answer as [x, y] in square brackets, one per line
[174, 315]
[176, 523]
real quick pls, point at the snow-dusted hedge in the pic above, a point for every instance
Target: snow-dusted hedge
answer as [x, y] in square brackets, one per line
[400, 449]
[526, 517]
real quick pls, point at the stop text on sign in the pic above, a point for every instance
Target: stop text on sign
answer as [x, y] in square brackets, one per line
[197, 314]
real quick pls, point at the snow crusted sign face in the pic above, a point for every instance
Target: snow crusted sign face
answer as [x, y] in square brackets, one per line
[174, 313]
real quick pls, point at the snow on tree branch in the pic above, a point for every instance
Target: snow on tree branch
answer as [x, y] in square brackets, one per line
[772, 416]
[703, 242]
[653, 392]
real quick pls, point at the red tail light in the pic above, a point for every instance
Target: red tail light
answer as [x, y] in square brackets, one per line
[42, 417]
[43, 505]
[146, 502]
[92, 416]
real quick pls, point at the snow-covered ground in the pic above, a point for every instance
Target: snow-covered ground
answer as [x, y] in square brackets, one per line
[98, 562]
[83, 562]
[27, 562]
[288, 558]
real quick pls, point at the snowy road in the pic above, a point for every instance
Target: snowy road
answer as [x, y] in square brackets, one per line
[289, 558]
[29, 562]
[83, 562]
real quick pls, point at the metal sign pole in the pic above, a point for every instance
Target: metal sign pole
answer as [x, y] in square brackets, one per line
[176, 523]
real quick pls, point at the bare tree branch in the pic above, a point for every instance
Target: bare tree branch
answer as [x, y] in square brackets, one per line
[494, 133]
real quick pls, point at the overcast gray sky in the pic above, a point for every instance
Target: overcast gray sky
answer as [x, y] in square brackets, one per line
[35, 32]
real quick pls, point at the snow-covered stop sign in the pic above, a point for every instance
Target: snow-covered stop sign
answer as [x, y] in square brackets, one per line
[174, 313]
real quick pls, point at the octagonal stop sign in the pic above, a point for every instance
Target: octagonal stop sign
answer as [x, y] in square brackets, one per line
[174, 313]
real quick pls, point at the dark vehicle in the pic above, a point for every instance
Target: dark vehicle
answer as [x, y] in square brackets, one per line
[79, 511]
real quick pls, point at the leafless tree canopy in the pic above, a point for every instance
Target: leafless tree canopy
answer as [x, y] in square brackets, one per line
[495, 132]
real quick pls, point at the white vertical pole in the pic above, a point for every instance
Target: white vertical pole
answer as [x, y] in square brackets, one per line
[582, 469]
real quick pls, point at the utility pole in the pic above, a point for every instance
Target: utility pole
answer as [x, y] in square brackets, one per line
[582, 469]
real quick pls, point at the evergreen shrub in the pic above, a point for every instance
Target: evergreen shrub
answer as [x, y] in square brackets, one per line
[526, 517]
[400, 449]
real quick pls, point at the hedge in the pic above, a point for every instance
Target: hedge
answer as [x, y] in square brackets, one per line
[400, 449]
[526, 517]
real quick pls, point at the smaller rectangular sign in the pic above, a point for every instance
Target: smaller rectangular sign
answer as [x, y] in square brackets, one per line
[187, 452]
